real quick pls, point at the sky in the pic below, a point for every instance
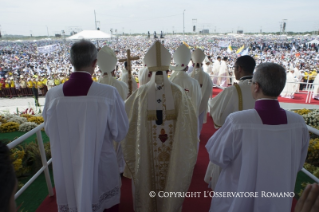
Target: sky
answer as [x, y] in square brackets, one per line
[43, 17]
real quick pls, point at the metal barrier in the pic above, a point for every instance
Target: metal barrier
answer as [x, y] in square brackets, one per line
[45, 163]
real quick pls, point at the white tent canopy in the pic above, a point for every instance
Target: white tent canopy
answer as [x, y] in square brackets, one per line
[314, 41]
[90, 34]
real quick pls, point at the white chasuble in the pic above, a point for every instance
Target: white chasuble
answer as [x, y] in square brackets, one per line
[81, 131]
[160, 152]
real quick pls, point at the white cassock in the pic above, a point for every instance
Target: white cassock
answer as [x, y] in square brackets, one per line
[289, 89]
[316, 88]
[191, 88]
[221, 106]
[216, 68]
[241, 147]
[122, 88]
[81, 131]
[143, 77]
[124, 78]
[206, 85]
[223, 75]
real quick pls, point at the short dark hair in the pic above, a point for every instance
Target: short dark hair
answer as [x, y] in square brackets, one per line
[271, 77]
[125, 64]
[7, 177]
[218, 57]
[225, 58]
[247, 63]
[82, 54]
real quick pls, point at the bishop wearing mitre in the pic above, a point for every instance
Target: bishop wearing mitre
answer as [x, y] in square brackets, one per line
[106, 60]
[190, 85]
[160, 149]
[205, 83]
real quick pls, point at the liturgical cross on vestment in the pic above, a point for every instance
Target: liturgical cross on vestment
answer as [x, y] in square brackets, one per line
[129, 69]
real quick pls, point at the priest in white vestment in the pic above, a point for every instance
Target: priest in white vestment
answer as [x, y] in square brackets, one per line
[125, 76]
[190, 85]
[260, 150]
[106, 60]
[82, 118]
[289, 89]
[316, 88]
[216, 67]
[234, 98]
[160, 149]
[205, 83]
[223, 75]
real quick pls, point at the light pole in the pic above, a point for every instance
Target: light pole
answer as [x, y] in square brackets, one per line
[48, 31]
[183, 23]
[95, 20]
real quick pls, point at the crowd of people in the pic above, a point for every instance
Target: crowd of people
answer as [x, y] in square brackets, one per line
[25, 72]
[151, 134]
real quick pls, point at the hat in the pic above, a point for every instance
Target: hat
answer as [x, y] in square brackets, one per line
[198, 56]
[106, 59]
[181, 56]
[157, 58]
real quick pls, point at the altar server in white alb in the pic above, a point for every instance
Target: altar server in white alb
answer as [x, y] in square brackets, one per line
[316, 87]
[160, 149]
[234, 98]
[82, 119]
[259, 150]
[106, 60]
[205, 83]
[190, 85]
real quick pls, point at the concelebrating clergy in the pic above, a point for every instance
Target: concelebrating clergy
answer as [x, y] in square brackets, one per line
[150, 131]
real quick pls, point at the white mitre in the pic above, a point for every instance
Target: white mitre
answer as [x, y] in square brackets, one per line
[181, 56]
[106, 59]
[198, 56]
[156, 59]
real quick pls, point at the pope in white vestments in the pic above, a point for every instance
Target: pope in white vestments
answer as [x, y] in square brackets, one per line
[205, 83]
[160, 149]
[106, 60]
[223, 79]
[82, 118]
[260, 151]
[289, 89]
[216, 67]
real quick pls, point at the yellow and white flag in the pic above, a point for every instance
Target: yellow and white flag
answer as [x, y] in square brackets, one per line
[240, 49]
[229, 49]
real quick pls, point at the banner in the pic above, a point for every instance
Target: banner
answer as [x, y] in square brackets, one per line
[224, 44]
[48, 49]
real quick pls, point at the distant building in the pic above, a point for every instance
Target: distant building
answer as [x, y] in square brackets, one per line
[240, 31]
[205, 31]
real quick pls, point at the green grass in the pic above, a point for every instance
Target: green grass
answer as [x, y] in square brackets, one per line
[34, 195]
